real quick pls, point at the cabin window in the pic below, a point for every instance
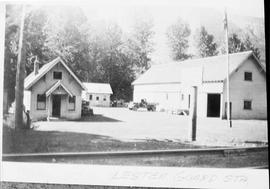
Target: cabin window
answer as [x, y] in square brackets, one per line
[41, 102]
[104, 98]
[57, 75]
[247, 104]
[97, 98]
[248, 76]
[90, 97]
[71, 103]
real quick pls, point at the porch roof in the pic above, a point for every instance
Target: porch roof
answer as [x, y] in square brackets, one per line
[55, 86]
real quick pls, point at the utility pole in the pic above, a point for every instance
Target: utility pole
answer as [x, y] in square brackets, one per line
[229, 121]
[20, 75]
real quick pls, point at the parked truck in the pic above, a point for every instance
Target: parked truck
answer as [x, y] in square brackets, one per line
[142, 105]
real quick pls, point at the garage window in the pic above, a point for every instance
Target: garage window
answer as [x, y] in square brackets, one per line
[41, 102]
[247, 104]
[71, 103]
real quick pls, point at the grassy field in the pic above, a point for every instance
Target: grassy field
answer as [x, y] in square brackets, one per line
[109, 129]
[53, 141]
[114, 129]
[32, 141]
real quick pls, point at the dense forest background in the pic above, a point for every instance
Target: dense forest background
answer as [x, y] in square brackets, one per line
[101, 51]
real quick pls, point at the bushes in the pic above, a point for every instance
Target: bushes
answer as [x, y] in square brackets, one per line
[9, 120]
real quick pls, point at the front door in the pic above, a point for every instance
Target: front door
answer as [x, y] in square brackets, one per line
[213, 105]
[56, 105]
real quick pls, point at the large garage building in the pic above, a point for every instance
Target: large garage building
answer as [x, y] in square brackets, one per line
[170, 85]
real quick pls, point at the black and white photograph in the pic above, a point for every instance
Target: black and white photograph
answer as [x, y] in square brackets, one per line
[134, 94]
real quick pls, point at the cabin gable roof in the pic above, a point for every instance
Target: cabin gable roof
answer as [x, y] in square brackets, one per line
[33, 78]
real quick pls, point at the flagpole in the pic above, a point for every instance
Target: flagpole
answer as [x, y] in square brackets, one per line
[228, 70]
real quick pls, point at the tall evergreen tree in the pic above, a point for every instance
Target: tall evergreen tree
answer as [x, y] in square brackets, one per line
[96, 51]
[205, 43]
[237, 44]
[140, 44]
[178, 34]
[35, 38]
[33, 45]
[65, 38]
[250, 46]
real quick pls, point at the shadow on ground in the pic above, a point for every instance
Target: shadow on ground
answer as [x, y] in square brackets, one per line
[98, 118]
[33, 141]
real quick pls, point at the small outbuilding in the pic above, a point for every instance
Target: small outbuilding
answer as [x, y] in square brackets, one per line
[53, 91]
[170, 85]
[97, 94]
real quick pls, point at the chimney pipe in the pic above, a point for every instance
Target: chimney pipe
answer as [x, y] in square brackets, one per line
[36, 66]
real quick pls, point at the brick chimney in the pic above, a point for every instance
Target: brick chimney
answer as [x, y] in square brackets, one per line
[36, 66]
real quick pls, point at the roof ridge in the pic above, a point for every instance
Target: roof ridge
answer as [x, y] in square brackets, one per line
[94, 83]
[209, 57]
[214, 68]
[31, 79]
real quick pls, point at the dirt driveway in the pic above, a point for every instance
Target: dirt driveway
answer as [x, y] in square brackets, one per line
[124, 124]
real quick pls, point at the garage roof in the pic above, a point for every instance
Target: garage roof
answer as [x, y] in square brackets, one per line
[212, 69]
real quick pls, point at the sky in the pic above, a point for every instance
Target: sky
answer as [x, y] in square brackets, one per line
[164, 13]
[242, 7]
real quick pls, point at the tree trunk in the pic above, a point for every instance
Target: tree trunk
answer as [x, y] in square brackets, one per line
[19, 89]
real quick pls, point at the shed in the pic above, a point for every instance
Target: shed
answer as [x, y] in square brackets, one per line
[98, 94]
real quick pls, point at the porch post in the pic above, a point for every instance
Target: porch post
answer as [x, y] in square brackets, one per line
[221, 105]
[48, 106]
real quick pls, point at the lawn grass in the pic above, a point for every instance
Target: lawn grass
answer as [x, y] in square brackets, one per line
[32, 141]
[41, 141]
